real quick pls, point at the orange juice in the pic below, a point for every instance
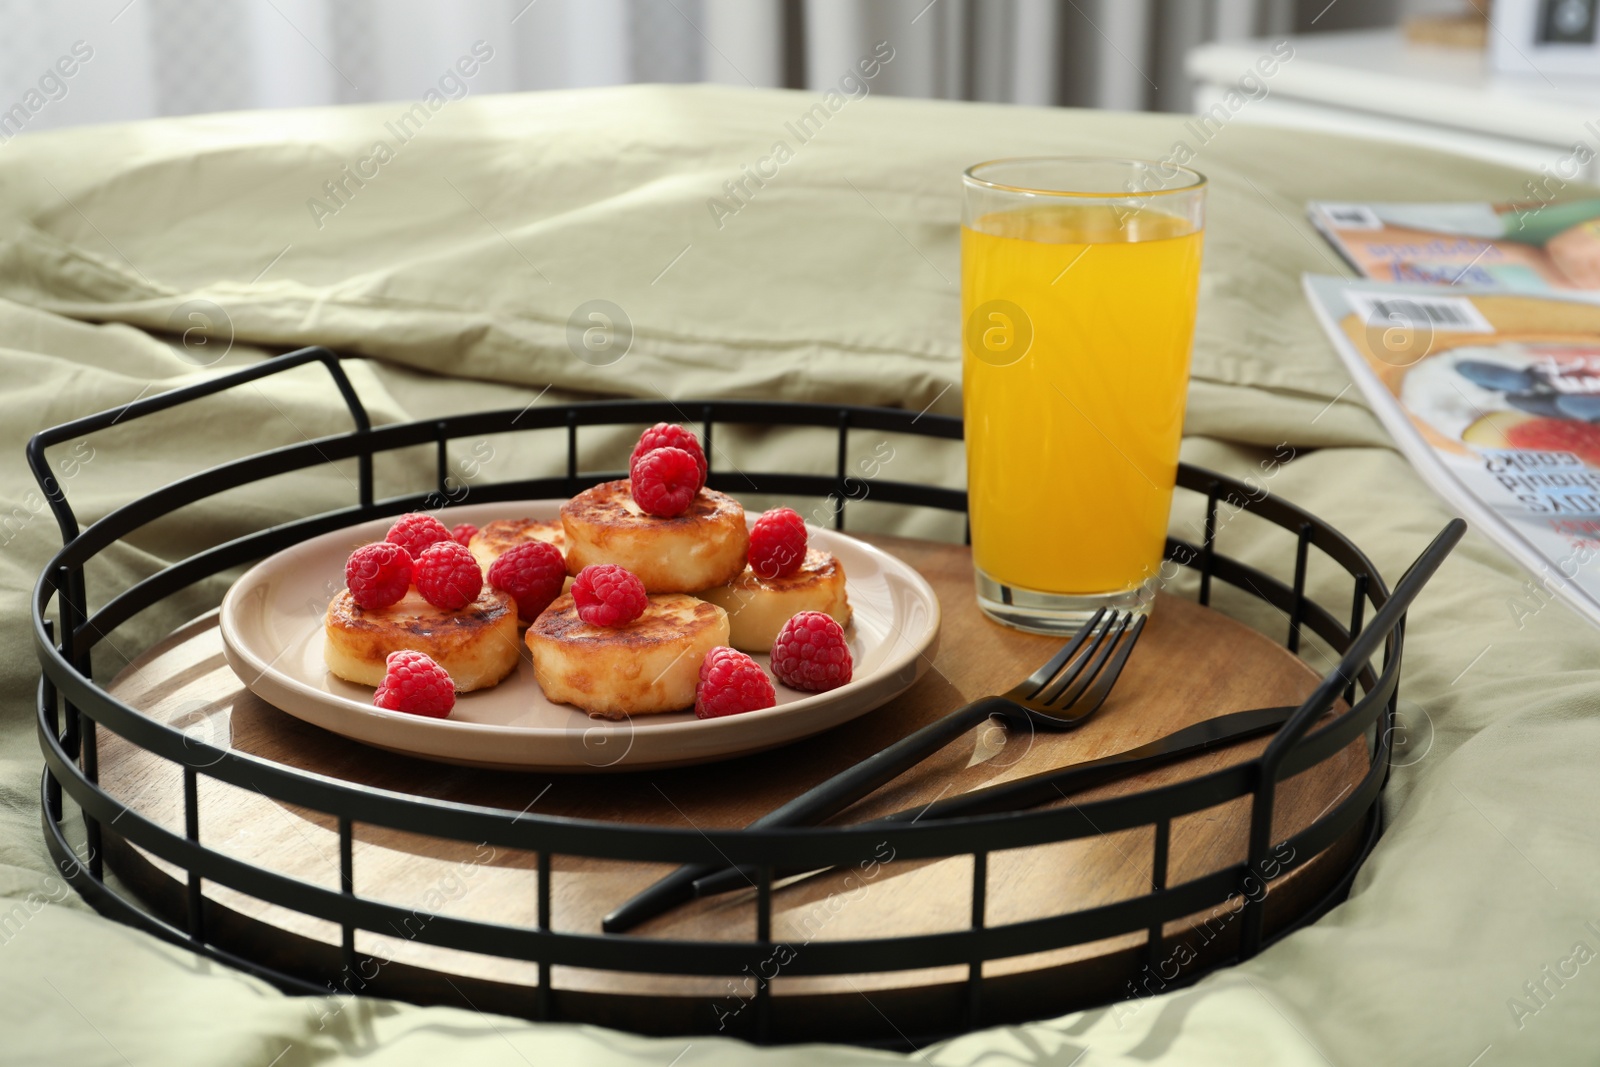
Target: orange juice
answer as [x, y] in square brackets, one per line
[1077, 325]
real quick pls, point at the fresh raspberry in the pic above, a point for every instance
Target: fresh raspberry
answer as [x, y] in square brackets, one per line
[777, 543]
[448, 576]
[608, 595]
[664, 482]
[731, 682]
[463, 533]
[1582, 439]
[415, 532]
[414, 683]
[533, 573]
[378, 574]
[667, 435]
[810, 653]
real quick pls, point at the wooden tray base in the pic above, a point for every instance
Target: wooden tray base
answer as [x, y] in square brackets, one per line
[1192, 663]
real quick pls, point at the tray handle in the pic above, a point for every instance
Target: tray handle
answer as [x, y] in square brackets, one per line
[136, 409]
[1389, 619]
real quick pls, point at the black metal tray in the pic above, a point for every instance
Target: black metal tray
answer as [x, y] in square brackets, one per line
[72, 709]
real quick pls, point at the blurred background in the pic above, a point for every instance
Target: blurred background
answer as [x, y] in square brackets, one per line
[177, 57]
[1517, 82]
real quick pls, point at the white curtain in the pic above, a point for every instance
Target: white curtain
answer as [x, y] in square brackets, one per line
[173, 57]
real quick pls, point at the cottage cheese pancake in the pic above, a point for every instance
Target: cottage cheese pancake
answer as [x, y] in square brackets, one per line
[758, 607]
[476, 644]
[644, 667]
[703, 547]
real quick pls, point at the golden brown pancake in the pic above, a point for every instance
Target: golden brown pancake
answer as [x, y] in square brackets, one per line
[497, 538]
[703, 547]
[758, 607]
[477, 644]
[647, 667]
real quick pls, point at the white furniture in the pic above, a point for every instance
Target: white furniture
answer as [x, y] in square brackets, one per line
[1375, 84]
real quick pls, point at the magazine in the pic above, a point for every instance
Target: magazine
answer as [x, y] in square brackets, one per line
[1531, 247]
[1494, 397]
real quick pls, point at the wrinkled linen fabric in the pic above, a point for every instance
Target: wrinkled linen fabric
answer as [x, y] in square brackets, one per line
[456, 266]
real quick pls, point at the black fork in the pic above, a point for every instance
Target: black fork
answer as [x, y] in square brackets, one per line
[1061, 695]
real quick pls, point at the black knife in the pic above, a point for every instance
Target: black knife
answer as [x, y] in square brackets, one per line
[1041, 788]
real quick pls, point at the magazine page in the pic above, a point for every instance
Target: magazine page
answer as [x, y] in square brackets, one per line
[1531, 247]
[1495, 398]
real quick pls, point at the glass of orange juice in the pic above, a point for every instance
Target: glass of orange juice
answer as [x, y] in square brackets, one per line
[1079, 279]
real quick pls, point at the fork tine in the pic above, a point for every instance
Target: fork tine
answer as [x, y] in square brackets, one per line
[1065, 690]
[1041, 677]
[1088, 703]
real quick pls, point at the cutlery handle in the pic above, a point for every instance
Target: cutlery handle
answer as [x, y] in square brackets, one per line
[851, 784]
[1050, 785]
[676, 888]
[814, 805]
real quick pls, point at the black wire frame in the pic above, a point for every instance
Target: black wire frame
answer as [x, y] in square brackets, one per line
[72, 708]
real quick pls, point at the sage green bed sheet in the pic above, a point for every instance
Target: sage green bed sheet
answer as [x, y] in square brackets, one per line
[1469, 935]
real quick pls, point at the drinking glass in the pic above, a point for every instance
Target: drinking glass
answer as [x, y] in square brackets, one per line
[1079, 278]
